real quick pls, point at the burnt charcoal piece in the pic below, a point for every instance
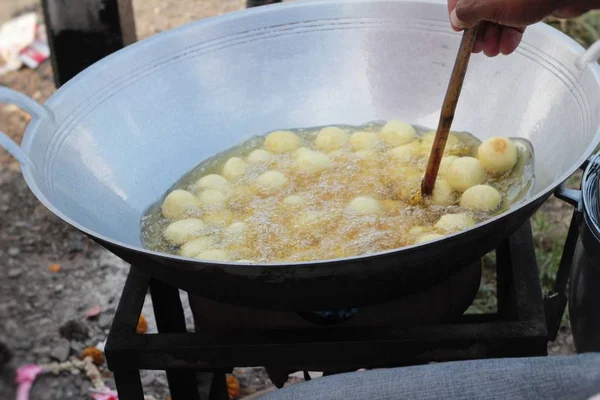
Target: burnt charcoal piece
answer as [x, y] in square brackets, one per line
[74, 330]
[5, 355]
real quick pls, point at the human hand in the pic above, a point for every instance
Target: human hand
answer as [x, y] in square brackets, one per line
[502, 22]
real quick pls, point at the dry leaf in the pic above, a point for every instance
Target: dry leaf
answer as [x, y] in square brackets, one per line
[142, 325]
[54, 268]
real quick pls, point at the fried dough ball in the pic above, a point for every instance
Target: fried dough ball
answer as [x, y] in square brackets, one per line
[234, 168]
[445, 164]
[196, 246]
[331, 138]
[271, 181]
[428, 237]
[236, 232]
[213, 255]
[363, 140]
[282, 142]
[396, 133]
[211, 197]
[497, 155]
[212, 181]
[312, 162]
[183, 230]
[404, 153]
[482, 198]
[428, 139]
[259, 156]
[464, 173]
[364, 205]
[178, 203]
[442, 193]
[454, 222]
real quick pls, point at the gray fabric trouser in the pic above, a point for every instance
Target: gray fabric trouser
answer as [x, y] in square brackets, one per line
[564, 377]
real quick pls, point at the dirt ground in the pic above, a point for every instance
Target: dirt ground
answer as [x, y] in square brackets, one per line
[36, 302]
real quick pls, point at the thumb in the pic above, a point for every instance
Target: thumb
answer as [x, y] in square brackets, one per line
[469, 13]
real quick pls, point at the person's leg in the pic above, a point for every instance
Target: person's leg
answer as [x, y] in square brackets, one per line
[543, 378]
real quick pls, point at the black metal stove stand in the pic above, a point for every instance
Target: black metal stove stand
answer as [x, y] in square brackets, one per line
[518, 329]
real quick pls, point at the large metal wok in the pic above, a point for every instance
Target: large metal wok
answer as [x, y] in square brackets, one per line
[111, 141]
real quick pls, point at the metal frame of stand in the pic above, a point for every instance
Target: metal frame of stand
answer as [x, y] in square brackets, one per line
[518, 329]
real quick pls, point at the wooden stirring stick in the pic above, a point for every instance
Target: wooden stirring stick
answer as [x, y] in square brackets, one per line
[447, 116]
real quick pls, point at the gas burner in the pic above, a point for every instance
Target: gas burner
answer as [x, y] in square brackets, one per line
[517, 329]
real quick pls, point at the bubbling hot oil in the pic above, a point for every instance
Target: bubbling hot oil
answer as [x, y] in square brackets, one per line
[354, 199]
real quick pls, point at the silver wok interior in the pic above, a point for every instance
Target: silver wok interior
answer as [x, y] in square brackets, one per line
[122, 132]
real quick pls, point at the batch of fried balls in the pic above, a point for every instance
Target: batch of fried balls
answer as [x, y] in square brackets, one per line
[333, 193]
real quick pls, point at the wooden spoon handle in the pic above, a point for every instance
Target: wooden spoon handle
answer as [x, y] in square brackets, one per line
[449, 106]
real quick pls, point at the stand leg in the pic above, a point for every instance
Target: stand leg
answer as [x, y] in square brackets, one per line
[170, 319]
[218, 389]
[129, 385]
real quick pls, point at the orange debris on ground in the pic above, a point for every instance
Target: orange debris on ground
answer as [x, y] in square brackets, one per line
[93, 352]
[142, 325]
[54, 268]
[233, 387]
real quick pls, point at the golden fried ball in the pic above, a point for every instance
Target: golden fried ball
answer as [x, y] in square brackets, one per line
[396, 133]
[282, 142]
[196, 246]
[178, 203]
[363, 140]
[331, 138]
[364, 205]
[428, 237]
[211, 197]
[259, 156]
[442, 193]
[497, 155]
[213, 255]
[271, 181]
[481, 197]
[455, 222]
[464, 173]
[212, 181]
[234, 168]
[445, 164]
[183, 230]
[312, 162]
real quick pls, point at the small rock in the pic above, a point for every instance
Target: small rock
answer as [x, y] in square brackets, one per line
[13, 251]
[147, 380]
[105, 320]
[76, 246]
[14, 272]
[569, 340]
[74, 330]
[42, 350]
[58, 288]
[77, 347]
[60, 352]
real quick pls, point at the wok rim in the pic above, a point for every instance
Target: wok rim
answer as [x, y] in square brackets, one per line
[215, 20]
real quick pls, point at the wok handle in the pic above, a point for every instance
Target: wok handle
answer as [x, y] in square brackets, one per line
[570, 196]
[30, 106]
[592, 54]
